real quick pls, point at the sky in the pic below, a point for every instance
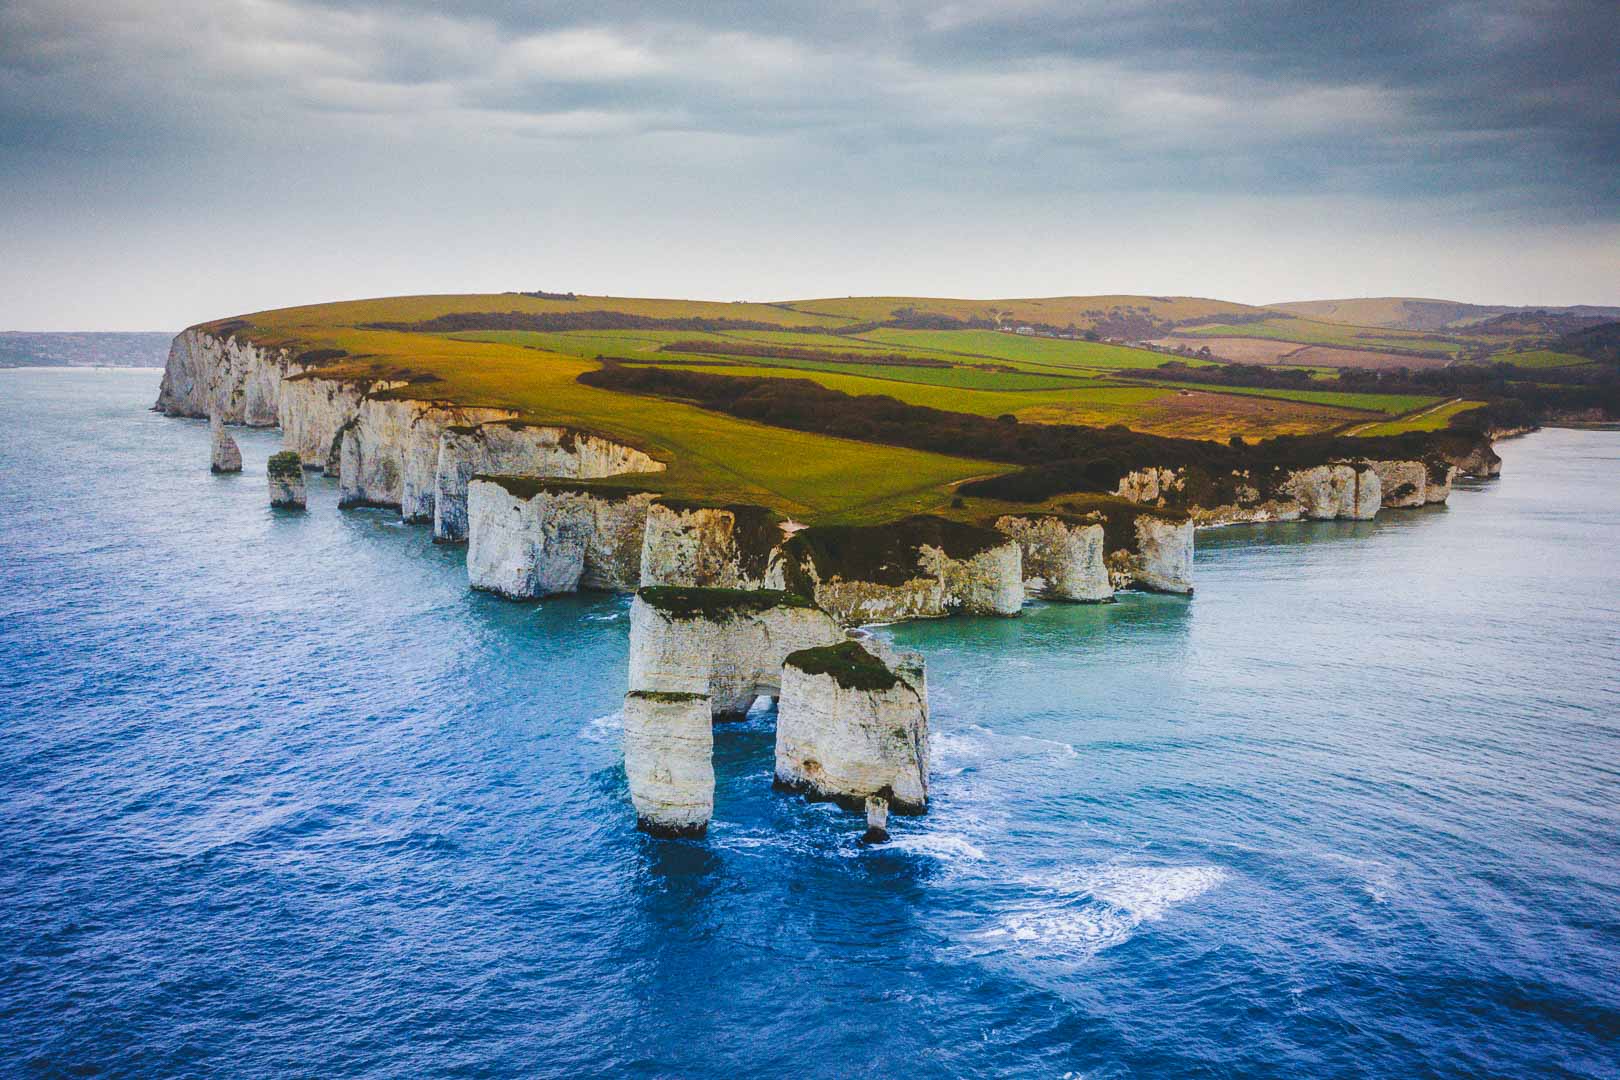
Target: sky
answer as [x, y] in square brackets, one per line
[163, 162]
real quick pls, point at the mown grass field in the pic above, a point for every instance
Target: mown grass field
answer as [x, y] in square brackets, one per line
[810, 477]
[1312, 332]
[1429, 420]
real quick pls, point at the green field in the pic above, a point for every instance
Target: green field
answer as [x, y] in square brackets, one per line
[1432, 420]
[1312, 332]
[1541, 358]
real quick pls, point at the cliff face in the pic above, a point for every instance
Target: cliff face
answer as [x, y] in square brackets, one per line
[1160, 560]
[1062, 558]
[918, 568]
[1330, 492]
[241, 379]
[727, 645]
[1339, 490]
[530, 539]
[669, 761]
[1402, 483]
[313, 411]
[849, 727]
[390, 452]
[519, 449]
[710, 547]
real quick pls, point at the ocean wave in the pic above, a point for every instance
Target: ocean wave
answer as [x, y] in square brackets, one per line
[603, 729]
[1092, 908]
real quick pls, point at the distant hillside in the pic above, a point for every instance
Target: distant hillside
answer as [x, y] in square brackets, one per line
[1412, 313]
[1601, 342]
[1121, 316]
[30, 349]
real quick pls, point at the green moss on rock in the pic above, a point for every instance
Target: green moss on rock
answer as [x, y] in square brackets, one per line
[883, 554]
[285, 466]
[849, 665]
[717, 604]
[666, 697]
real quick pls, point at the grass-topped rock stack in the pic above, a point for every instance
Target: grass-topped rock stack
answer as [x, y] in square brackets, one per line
[852, 725]
[286, 476]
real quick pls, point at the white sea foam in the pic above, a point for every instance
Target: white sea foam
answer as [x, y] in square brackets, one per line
[945, 846]
[603, 729]
[1092, 908]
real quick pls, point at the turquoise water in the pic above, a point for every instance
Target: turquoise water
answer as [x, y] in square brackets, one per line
[282, 797]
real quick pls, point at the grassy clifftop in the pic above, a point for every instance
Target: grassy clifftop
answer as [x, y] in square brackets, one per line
[1025, 364]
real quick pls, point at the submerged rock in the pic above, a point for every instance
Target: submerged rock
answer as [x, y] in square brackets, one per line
[669, 761]
[1062, 556]
[727, 644]
[531, 538]
[918, 568]
[286, 475]
[227, 456]
[849, 726]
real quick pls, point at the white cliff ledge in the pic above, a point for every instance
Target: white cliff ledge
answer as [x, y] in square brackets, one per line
[921, 567]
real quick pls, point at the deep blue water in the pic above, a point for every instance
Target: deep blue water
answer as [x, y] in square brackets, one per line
[280, 797]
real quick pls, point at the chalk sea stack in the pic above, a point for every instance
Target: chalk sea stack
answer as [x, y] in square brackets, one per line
[227, 456]
[851, 725]
[286, 476]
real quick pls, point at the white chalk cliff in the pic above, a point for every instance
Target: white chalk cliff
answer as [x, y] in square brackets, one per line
[918, 568]
[518, 448]
[1063, 558]
[530, 538]
[726, 644]
[669, 761]
[709, 547]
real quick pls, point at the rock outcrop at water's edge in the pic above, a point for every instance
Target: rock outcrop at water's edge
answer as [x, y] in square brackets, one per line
[850, 726]
[225, 455]
[727, 644]
[519, 448]
[669, 761]
[1334, 492]
[1157, 557]
[710, 547]
[286, 475]
[530, 538]
[921, 567]
[390, 452]
[207, 373]
[1063, 557]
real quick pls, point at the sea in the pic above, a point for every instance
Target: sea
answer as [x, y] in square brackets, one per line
[281, 797]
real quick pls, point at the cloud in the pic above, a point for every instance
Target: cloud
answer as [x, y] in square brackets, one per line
[1485, 113]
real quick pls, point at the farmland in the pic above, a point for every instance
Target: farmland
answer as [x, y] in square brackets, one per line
[529, 352]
